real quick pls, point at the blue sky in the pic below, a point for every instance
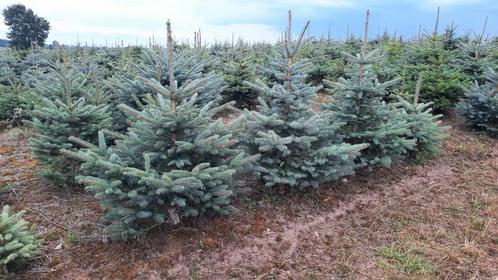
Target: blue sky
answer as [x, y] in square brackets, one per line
[255, 20]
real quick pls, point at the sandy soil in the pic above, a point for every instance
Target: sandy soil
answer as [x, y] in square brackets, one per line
[435, 220]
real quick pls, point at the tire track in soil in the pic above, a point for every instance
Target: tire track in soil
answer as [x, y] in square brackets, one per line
[278, 250]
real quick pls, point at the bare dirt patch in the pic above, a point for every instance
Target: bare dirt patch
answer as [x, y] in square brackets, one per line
[438, 219]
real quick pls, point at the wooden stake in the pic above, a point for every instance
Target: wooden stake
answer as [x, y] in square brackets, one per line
[365, 34]
[479, 39]
[200, 39]
[287, 42]
[419, 33]
[329, 31]
[364, 46]
[418, 87]
[171, 76]
[289, 26]
[437, 24]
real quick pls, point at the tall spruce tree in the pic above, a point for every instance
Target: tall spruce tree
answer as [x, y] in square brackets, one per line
[359, 102]
[174, 162]
[299, 147]
[66, 111]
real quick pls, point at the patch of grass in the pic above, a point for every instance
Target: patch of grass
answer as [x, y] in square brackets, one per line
[273, 197]
[6, 188]
[343, 270]
[194, 273]
[478, 223]
[250, 205]
[270, 276]
[476, 145]
[478, 205]
[454, 210]
[71, 238]
[407, 260]
[20, 133]
[312, 276]
[400, 221]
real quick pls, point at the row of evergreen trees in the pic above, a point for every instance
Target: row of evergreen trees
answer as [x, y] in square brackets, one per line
[140, 128]
[148, 141]
[449, 65]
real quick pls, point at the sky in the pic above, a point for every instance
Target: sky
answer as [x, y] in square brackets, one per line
[134, 21]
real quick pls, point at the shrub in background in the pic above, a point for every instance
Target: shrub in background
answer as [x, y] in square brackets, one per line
[479, 107]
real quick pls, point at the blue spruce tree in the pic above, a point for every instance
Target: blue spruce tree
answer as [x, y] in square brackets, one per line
[358, 101]
[298, 147]
[175, 161]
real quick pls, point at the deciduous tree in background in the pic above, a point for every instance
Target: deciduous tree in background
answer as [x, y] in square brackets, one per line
[25, 27]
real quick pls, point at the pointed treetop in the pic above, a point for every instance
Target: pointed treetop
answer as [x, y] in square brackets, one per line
[170, 54]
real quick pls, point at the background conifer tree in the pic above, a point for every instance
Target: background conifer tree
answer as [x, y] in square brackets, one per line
[479, 107]
[474, 57]
[235, 71]
[126, 87]
[11, 90]
[424, 127]
[66, 110]
[327, 61]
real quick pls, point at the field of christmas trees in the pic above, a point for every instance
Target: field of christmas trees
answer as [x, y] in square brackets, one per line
[308, 158]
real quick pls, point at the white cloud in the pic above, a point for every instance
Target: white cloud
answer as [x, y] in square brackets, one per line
[97, 19]
[322, 3]
[131, 20]
[433, 4]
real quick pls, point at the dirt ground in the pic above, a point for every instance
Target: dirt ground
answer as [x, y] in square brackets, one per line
[435, 220]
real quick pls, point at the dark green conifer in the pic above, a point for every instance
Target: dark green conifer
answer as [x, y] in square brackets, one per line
[358, 101]
[66, 111]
